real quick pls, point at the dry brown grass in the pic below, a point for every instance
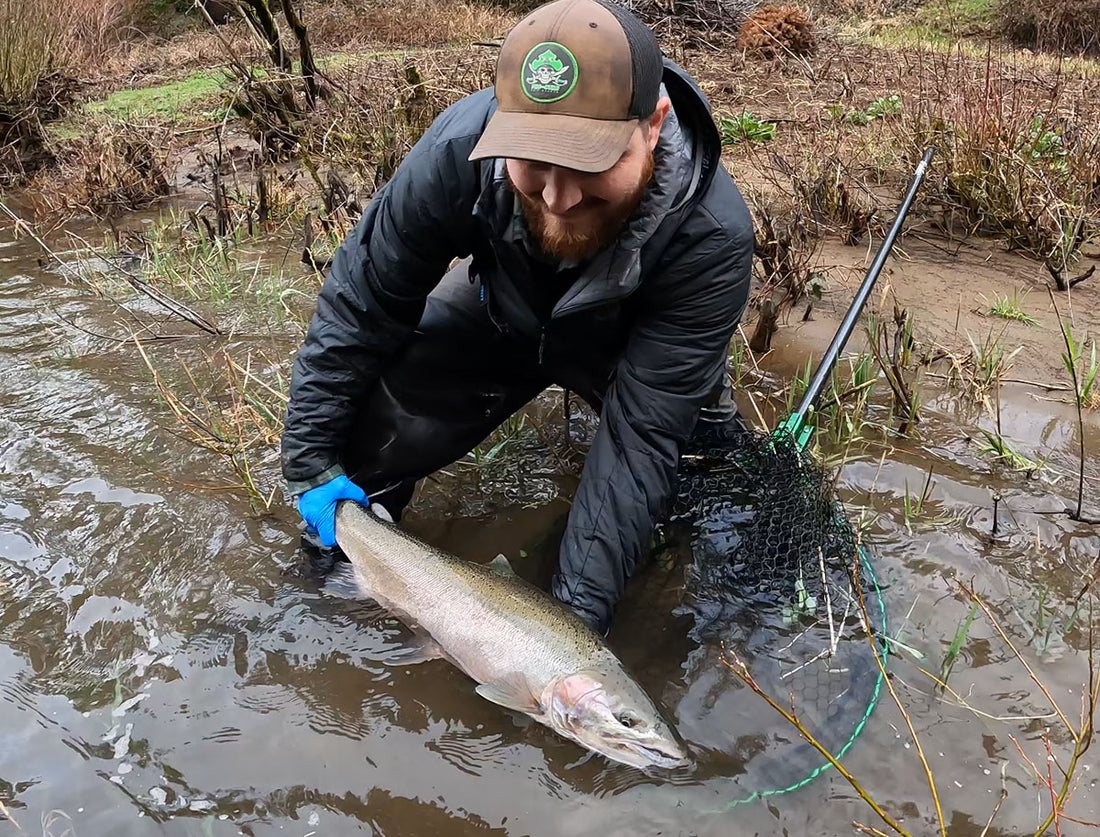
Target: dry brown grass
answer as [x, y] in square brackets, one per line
[96, 27]
[375, 111]
[410, 23]
[1069, 26]
[171, 58]
[1015, 159]
[233, 408]
[1018, 135]
[117, 168]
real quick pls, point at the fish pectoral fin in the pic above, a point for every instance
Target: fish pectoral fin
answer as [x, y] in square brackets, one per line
[381, 512]
[512, 693]
[343, 583]
[500, 566]
[419, 649]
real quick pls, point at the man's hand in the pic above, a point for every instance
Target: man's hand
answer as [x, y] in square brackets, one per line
[318, 506]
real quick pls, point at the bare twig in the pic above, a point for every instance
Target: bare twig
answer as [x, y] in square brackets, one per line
[1000, 801]
[897, 701]
[993, 621]
[4, 810]
[741, 670]
[1071, 365]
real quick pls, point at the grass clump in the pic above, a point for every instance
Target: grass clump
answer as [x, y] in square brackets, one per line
[32, 35]
[31, 40]
[999, 448]
[987, 363]
[183, 257]
[1011, 308]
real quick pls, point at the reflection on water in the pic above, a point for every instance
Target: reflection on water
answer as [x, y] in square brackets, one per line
[164, 669]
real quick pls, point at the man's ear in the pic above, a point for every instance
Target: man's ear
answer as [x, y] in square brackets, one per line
[656, 120]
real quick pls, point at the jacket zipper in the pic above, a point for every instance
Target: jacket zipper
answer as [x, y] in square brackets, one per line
[542, 342]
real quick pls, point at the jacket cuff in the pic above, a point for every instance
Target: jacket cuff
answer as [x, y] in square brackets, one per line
[296, 488]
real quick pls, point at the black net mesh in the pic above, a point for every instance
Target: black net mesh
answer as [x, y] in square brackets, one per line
[773, 579]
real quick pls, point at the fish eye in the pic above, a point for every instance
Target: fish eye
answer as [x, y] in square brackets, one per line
[627, 720]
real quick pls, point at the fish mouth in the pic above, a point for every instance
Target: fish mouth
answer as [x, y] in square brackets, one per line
[641, 754]
[656, 757]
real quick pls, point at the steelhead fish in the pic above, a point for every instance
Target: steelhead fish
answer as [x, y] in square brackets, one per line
[528, 652]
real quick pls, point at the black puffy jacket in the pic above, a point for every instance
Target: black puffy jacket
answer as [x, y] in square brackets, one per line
[660, 305]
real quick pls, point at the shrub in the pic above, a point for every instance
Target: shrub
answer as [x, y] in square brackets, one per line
[777, 30]
[118, 168]
[1013, 160]
[1058, 25]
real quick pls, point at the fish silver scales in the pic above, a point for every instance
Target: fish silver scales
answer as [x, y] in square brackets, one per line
[527, 651]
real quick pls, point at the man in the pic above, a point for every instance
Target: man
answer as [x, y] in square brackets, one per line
[609, 253]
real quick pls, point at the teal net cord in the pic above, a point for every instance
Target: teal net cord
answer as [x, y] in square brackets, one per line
[773, 576]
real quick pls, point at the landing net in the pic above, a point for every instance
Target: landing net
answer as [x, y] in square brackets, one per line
[775, 577]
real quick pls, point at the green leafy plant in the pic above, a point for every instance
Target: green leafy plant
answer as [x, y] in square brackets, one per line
[987, 362]
[1083, 369]
[884, 106]
[1043, 142]
[1011, 308]
[998, 447]
[745, 127]
[961, 633]
[880, 108]
[503, 438]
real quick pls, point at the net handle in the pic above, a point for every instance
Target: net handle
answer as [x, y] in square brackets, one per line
[832, 354]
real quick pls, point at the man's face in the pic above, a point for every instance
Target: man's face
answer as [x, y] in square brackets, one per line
[572, 214]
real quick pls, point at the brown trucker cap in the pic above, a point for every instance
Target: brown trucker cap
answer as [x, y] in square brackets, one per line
[573, 79]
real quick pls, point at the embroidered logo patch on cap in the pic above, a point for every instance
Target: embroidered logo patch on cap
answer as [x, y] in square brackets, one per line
[549, 73]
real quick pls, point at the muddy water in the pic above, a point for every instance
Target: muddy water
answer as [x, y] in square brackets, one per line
[165, 670]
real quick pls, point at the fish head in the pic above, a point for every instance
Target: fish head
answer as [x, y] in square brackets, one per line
[609, 713]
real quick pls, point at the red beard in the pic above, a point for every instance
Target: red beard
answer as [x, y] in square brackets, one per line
[576, 242]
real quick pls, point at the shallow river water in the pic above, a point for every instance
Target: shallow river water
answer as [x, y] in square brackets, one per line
[165, 670]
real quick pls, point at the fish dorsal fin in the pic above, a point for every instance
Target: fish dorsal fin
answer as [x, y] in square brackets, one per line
[511, 692]
[381, 512]
[500, 566]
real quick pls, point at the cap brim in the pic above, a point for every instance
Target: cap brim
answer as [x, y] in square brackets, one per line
[575, 142]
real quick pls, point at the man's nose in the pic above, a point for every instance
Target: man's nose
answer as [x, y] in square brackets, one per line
[562, 190]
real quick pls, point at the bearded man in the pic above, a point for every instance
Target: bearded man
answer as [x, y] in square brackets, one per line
[603, 248]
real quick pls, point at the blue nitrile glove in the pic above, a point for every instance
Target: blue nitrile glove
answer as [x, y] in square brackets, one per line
[318, 506]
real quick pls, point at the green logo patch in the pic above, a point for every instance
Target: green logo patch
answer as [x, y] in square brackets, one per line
[549, 73]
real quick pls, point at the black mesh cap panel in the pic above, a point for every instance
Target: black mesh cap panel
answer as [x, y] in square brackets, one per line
[645, 59]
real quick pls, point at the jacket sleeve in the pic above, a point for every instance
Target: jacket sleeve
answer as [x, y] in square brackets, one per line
[374, 294]
[673, 359]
